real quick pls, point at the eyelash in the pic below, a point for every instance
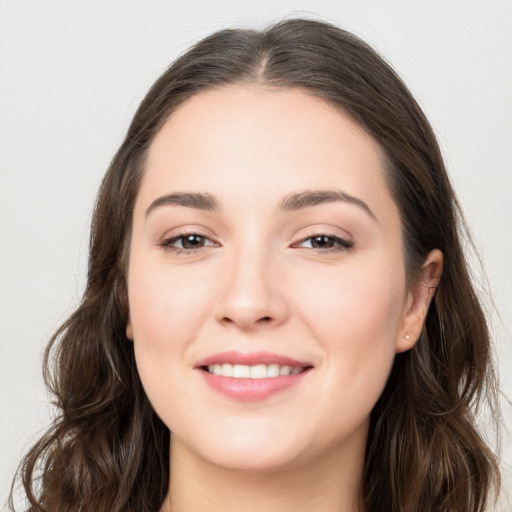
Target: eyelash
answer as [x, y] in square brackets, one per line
[167, 244]
[340, 244]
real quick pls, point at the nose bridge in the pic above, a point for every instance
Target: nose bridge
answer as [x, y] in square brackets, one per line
[251, 293]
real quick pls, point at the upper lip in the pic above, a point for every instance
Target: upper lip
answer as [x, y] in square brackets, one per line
[251, 359]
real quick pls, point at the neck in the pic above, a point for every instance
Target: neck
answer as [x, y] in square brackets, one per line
[329, 484]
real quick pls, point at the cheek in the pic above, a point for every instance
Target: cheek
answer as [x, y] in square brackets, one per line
[167, 310]
[355, 308]
[356, 318]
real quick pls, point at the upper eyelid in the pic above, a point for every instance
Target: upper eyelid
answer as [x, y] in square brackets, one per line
[346, 242]
[186, 231]
[308, 232]
[312, 231]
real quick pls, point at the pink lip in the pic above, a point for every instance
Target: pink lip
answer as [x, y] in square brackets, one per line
[251, 390]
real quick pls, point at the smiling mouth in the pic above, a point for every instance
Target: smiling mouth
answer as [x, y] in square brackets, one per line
[254, 376]
[258, 371]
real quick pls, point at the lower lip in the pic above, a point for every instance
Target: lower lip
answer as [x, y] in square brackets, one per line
[250, 390]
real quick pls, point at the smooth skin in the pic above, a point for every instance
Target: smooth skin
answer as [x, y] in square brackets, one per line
[321, 281]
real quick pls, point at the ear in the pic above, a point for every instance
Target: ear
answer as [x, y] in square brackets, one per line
[418, 301]
[129, 328]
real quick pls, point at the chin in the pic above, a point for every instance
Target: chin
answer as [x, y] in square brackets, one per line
[248, 449]
[251, 460]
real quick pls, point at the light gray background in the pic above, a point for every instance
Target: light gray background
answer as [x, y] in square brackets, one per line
[72, 74]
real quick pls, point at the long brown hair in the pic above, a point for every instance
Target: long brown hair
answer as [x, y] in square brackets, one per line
[108, 451]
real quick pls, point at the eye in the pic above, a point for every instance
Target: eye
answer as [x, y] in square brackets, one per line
[325, 243]
[187, 242]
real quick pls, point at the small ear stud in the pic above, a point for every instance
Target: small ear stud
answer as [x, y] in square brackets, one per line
[407, 337]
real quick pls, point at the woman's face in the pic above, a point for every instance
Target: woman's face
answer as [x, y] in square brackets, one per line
[265, 241]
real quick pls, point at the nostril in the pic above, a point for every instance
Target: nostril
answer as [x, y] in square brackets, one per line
[245, 320]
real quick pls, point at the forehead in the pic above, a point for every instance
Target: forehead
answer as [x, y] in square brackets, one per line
[246, 138]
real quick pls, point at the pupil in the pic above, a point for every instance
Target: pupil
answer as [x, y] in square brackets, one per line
[192, 241]
[322, 241]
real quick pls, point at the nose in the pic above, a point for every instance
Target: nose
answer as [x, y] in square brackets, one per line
[252, 294]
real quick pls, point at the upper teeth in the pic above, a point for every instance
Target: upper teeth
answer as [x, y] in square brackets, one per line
[259, 371]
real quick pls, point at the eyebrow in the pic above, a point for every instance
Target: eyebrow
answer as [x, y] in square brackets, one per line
[189, 199]
[309, 198]
[292, 202]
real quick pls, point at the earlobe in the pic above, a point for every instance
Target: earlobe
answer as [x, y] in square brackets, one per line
[406, 342]
[129, 329]
[419, 299]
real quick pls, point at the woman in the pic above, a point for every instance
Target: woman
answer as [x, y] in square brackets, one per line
[276, 278]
